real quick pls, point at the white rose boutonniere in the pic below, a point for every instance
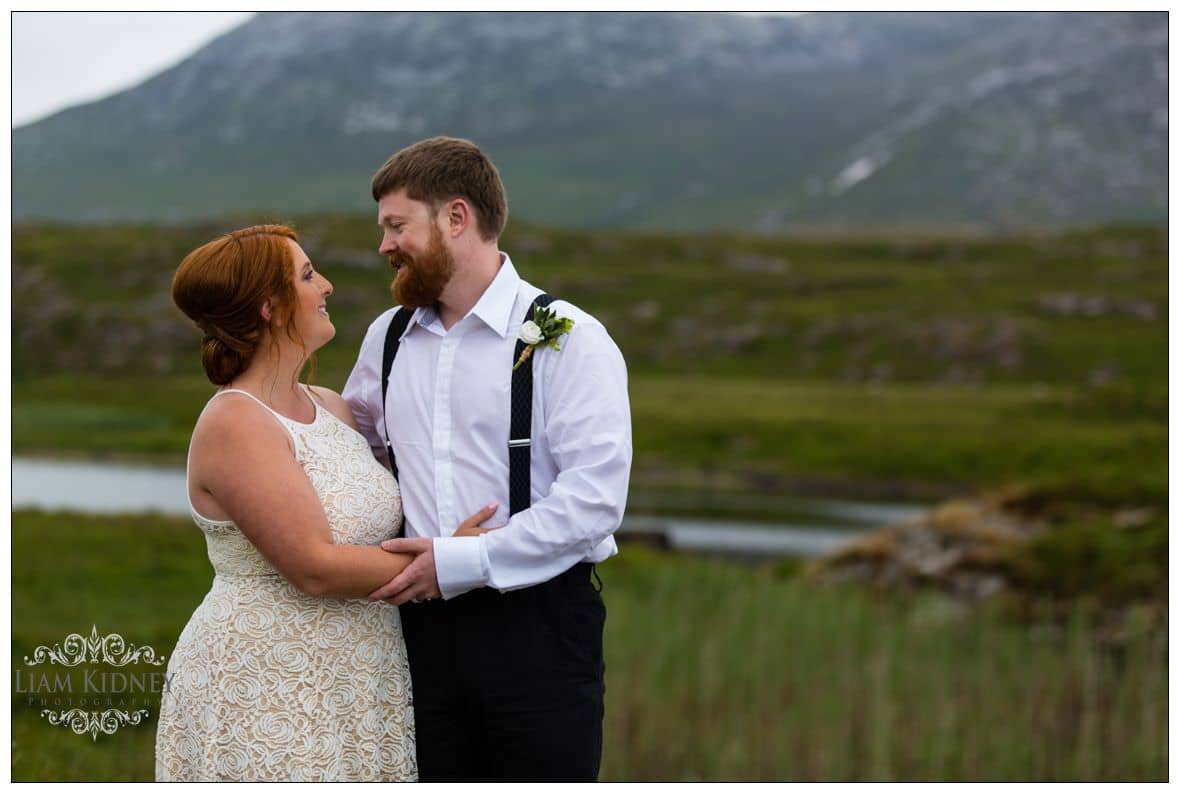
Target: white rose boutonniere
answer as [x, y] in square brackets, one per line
[544, 329]
[530, 333]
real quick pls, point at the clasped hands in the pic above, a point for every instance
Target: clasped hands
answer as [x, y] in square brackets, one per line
[419, 580]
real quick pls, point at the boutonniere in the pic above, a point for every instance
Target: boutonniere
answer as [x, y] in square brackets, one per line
[544, 329]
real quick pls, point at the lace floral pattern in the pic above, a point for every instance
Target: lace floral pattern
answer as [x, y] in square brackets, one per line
[271, 684]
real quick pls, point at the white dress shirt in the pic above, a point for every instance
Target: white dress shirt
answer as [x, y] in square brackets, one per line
[447, 411]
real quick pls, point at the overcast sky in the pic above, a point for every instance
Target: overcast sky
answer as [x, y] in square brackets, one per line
[65, 58]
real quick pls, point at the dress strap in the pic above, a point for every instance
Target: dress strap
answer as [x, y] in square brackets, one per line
[248, 394]
[311, 395]
[282, 420]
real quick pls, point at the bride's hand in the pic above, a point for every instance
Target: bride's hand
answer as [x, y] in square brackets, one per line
[472, 526]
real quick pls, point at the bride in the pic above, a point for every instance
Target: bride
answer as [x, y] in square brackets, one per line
[285, 671]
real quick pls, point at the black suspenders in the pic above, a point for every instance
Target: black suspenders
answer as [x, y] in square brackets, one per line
[393, 338]
[520, 432]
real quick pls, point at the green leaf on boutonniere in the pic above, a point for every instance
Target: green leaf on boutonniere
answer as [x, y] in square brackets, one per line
[546, 328]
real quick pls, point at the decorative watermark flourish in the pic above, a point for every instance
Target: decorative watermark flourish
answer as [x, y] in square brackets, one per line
[112, 648]
[94, 722]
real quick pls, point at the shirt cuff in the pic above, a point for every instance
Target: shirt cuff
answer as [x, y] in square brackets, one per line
[461, 564]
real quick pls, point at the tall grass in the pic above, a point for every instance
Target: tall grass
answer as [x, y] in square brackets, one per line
[714, 671]
[718, 672]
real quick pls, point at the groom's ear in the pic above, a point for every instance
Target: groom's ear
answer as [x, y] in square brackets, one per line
[458, 216]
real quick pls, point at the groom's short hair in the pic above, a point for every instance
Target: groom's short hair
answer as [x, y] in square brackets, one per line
[440, 169]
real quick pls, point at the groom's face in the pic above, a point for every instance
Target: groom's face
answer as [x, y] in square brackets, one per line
[413, 241]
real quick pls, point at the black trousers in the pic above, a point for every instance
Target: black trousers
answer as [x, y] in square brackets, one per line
[509, 686]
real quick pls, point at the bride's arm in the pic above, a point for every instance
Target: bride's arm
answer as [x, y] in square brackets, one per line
[243, 458]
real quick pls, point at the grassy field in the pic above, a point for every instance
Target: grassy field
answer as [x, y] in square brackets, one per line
[714, 671]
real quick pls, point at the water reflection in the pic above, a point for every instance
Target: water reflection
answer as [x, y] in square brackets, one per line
[93, 487]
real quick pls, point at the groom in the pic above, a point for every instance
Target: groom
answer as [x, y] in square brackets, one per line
[503, 629]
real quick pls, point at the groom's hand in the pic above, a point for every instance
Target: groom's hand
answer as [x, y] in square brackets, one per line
[419, 581]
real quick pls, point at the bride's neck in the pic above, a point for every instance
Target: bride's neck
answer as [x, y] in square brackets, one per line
[274, 377]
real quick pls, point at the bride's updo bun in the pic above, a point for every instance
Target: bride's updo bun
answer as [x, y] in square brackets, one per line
[222, 286]
[223, 361]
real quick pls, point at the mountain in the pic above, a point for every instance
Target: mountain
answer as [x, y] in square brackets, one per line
[668, 120]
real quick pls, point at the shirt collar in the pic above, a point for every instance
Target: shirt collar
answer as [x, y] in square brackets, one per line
[422, 316]
[494, 307]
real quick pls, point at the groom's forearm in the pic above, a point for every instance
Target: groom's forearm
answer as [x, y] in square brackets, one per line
[581, 511]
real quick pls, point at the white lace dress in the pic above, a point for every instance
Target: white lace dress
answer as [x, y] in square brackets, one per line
[266, 683]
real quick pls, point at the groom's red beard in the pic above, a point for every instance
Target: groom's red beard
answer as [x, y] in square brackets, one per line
[420, 279]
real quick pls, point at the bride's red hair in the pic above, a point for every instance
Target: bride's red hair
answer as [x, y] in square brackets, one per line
[222, 286]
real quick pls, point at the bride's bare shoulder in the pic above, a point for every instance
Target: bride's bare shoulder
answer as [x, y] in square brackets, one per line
[234, 419]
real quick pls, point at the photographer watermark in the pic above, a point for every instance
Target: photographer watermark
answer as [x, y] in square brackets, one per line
[73, 692]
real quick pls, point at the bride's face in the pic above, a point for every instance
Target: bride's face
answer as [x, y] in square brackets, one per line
[311, 317]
